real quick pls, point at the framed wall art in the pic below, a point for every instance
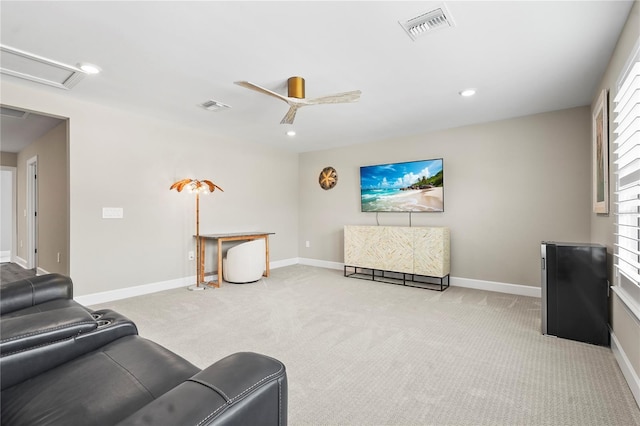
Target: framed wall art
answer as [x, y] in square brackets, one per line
[328, 178]
[601, 155]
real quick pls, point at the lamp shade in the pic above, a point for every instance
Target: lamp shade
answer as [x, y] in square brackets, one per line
[195, 185]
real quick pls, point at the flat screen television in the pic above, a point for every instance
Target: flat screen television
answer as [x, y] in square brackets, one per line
[414, 186]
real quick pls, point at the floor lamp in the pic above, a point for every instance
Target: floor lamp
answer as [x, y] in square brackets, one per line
[204, 187]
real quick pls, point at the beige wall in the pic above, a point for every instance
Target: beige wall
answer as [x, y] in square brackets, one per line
[53, 199]
[625, 325]
[121, 159]
[508, 186]
[9, 159]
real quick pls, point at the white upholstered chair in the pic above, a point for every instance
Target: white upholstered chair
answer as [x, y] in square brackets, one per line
[245, 262]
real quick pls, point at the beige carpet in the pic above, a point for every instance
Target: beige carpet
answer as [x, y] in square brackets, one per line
[10, 272]
[363, 353]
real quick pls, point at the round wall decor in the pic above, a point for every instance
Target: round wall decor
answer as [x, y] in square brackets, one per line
[328, 178]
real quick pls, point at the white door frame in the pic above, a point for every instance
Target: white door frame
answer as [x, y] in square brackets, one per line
[14, 211]
[32, 213]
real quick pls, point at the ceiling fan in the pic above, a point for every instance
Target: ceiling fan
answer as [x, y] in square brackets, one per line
[296, 99]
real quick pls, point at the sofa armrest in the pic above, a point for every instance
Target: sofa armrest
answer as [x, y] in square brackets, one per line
[242, 389]
[20, 365]
[33, 291]
[26, 331]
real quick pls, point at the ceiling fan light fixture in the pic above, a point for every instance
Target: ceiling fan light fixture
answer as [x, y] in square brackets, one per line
[295, 87]
[295, 103]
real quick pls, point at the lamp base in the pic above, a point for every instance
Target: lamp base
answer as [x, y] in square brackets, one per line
[197, 287]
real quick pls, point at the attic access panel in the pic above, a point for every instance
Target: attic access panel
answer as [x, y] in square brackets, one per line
[28, 66]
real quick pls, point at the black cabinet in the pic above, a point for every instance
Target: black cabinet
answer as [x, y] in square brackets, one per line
[575, 292]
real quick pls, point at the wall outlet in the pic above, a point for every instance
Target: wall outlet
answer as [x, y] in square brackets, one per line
[191, 255]
[307, 244]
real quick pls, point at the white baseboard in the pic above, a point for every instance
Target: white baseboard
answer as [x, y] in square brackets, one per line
[5, 256]
[282, 263]
[20, 262]
[108, 296]
[140, 290]
[40, 271]
[627, 369]
[321, 263]
[521, 290]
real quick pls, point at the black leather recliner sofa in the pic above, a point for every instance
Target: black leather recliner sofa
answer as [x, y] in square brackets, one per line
[62, 363]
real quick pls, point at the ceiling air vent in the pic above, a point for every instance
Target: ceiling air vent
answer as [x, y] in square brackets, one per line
[428, 22]
[212, 105]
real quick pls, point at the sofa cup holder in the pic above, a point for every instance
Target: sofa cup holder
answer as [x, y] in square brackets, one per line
[96, 316]
[103, 323]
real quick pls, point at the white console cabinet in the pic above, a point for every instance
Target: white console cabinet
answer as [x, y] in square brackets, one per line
[373, 251]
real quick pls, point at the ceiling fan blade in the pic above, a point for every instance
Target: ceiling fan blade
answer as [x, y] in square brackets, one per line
[290, 115]
[338, 98]
[295, 103]
[252, 86]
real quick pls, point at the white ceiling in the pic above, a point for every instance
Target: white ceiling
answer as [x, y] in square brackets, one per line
[17, 133]
[164, 58]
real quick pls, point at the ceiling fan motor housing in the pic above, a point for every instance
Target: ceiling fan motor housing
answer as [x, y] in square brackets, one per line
[296, 87]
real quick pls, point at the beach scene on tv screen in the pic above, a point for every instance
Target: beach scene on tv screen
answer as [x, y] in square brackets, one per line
[415, 186]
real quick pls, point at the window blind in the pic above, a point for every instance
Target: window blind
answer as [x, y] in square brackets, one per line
[627, 184]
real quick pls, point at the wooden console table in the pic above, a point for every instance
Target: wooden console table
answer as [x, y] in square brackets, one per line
[412, 256]
[232, 236]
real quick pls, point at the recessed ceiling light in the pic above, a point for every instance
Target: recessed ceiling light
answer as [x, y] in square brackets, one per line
[291, 133]
[89, 68]
[468, 92]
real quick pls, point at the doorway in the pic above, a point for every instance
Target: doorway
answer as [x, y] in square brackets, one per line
[32, 212]
[8, 214]
[37, 146]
